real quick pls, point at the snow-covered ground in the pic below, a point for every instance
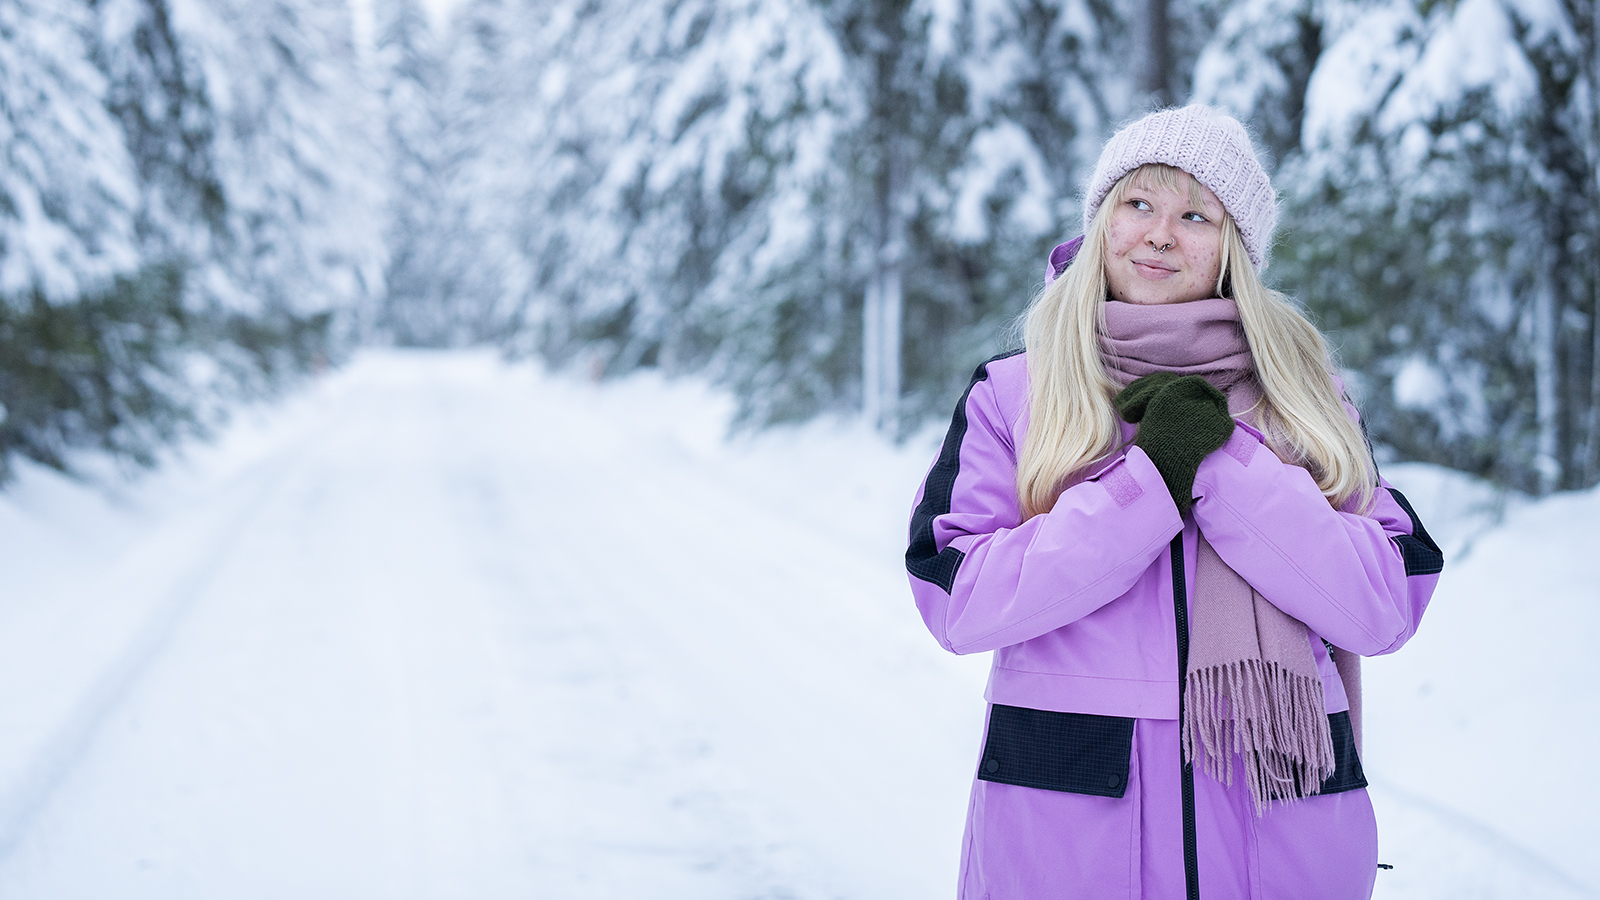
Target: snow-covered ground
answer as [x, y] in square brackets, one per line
[441, 627]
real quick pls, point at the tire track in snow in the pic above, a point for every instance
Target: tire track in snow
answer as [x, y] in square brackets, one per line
[550, 656]
[59, 754]
[607, 688]
[738, 685]
[1472, 858]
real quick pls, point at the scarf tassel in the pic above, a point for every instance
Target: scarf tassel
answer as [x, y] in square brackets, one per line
[1274, 719]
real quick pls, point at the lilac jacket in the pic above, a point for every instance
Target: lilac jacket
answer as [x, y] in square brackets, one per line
[1078, 602]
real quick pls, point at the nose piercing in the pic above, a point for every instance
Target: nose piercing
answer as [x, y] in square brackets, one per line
[1163, 247]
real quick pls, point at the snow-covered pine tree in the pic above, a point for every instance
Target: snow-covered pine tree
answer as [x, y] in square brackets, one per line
[739, 183]
[67, 185]
[159, 99]
[767, 307]
[491, 57]
[419, 305]
[299, 168]
[1047, 99]
[479, 244]
[931, 191]
[1259, 63]
[84, 325]
[968, 128]
[1556, 257]
[553, 167]
[644, 146]
[1440, 213]
[1588, 106]
[898, 85]
[872, 297]
[186, 202]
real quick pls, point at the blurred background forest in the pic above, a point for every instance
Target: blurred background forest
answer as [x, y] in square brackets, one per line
[827, 205]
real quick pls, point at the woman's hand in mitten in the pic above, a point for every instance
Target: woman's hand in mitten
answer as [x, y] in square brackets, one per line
[1180, 423]
[1133, 399]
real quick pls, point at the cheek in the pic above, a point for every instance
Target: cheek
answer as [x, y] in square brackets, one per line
[1209, 266]
[1118, 236]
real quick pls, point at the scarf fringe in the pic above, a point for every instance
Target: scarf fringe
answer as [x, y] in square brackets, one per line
[1273, 719]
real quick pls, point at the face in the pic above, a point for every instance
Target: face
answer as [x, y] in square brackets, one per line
[1162, 246]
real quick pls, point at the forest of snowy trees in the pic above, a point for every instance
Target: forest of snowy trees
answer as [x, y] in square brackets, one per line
[826, 205]
[185, 213]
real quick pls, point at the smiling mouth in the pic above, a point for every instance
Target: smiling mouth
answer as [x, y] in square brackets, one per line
[1153, 264]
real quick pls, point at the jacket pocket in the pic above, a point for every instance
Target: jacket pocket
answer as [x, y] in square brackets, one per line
[1056, 751]
[1347, 774]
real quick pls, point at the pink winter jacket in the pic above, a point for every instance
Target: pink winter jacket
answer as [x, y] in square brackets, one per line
[1078, 602]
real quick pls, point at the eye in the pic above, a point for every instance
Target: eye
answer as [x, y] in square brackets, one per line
[1195, 217]
[1140, 205]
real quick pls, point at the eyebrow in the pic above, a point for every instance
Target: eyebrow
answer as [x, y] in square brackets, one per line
[1196, 191]
[1152, 176]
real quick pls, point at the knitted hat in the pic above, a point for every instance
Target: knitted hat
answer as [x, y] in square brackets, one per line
[1208, 144]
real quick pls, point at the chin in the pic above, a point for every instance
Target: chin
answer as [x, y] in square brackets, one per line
[1163, 300]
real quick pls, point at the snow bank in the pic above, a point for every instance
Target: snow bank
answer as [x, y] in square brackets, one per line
[1486, 722]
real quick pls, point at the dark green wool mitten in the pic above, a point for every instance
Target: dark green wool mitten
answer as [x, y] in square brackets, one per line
[1181, 420]
[1135, 397]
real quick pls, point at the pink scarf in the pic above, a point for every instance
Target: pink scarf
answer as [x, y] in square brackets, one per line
[1252, 685]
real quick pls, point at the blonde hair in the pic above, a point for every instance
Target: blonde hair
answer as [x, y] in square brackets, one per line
[1072, 422]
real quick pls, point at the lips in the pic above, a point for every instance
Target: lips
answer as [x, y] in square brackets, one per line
[1159, 267]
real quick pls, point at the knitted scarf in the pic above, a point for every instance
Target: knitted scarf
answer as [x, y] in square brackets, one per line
[1252, 685]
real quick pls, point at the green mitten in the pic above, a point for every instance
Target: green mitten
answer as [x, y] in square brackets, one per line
[1181, 423]
[1133, 399]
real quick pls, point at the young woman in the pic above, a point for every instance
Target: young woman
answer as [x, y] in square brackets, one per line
[1164, 520]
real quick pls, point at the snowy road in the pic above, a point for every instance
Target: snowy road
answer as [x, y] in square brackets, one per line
[439, 628]
[447, 643]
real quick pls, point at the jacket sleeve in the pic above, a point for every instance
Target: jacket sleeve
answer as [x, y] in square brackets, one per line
[984, 579]
[1360, 581]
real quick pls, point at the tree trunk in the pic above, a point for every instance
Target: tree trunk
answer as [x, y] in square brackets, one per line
[880, 355]
[884, 300]
[872, 351]
[891, 263]
[1547, 460]
[1591, 449]
[1158, 53]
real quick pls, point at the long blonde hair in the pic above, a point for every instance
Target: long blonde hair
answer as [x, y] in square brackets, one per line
[1072, 422]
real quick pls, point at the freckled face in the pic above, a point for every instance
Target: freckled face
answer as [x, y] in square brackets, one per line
[1161, 247]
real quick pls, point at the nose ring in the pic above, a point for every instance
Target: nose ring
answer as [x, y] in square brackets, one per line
[1163, 247]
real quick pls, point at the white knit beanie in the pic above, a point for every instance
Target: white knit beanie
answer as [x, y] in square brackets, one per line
[1208, 144]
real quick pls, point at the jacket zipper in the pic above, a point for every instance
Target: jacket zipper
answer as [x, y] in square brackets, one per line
[1180, 610]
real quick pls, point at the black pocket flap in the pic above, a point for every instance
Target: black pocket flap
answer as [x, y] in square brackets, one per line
[1056, 751]
[1347, 774]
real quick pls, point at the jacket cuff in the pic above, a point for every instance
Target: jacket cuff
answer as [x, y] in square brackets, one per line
[1133, 477]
